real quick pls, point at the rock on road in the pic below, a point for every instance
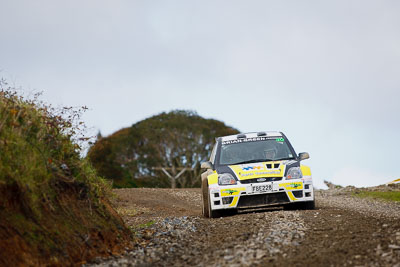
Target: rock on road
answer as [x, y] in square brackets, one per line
[342, 231]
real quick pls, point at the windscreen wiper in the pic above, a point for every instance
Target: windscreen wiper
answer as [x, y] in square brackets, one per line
[285, 158]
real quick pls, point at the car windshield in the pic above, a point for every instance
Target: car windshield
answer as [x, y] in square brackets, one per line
[250, 150]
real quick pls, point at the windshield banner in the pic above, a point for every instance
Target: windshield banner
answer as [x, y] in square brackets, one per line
[254, 139]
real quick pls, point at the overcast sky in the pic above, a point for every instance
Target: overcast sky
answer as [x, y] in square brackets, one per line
[326, 73]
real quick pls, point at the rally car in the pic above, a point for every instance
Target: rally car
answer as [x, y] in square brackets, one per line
[255, 170]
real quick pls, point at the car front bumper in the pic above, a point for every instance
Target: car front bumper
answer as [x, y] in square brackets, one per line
[242, 196]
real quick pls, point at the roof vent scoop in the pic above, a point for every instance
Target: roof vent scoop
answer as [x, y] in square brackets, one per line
[240, 136]
[261, 134]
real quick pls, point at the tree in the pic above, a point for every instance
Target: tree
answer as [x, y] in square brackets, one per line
[175, 140]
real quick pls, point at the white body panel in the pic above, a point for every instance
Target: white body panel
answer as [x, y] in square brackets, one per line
[217, 193]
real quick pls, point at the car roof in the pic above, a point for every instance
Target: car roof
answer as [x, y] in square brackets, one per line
[250, 135]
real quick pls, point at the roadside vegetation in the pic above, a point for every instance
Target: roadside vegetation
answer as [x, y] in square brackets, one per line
[53, 205]
[387, 196]
[134, 156]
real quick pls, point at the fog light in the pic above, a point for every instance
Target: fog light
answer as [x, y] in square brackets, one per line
[298, 193]
[227, 200]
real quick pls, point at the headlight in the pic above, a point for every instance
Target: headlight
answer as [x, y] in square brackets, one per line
[294, 173]
[226, 179]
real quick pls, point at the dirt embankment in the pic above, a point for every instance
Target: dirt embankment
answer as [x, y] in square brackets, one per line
[342, 231]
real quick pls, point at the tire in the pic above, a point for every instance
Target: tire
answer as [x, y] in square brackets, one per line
[308, 205]
[205, 198]
[230, 212]
[290, 206]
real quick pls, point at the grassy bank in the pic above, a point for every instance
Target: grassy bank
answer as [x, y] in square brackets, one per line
[387, 196]
[53, 206]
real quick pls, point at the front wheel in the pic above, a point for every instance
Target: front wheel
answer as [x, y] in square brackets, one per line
[205, 198]
[230, 212]
[308, 205]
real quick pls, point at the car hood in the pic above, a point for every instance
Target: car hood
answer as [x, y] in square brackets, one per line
[260, 169]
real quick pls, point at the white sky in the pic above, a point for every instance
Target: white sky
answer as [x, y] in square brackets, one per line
[326, 73]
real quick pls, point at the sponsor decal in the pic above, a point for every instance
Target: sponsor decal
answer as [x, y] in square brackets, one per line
[280, 139]
[232, 191]
[229, 191]
[247, 168]
[259, 173]
[268, 172]
[295, 185]
[292, 185]
[254, 139]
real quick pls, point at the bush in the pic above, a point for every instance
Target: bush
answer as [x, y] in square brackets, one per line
[40, 144]
[174, 140]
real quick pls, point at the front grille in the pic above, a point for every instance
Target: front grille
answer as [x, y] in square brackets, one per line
[254, 181]
[270, 165]
[262, 200]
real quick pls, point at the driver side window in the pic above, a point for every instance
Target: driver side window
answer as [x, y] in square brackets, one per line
[212, 157]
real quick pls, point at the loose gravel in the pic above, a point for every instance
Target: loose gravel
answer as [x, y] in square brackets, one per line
[342, 231]
[257, 237]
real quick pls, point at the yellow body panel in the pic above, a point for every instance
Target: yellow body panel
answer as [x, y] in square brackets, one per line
[305, 170]
[213, 179]
[291, 196]
[235, 200]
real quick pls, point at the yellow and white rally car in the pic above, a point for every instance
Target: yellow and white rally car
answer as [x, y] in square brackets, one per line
[254, 170]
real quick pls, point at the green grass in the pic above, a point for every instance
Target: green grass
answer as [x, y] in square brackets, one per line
[146, 225]
[136, 229]
[388, 196]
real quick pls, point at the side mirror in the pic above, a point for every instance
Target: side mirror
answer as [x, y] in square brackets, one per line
[206, 165]
[304, 155]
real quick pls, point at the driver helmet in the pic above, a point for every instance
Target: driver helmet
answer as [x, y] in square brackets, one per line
[270, 153]
[233, 153]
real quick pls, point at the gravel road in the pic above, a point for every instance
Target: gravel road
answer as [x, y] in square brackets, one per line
[342, 231]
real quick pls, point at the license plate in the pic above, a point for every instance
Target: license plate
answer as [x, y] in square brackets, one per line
[262, 188]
